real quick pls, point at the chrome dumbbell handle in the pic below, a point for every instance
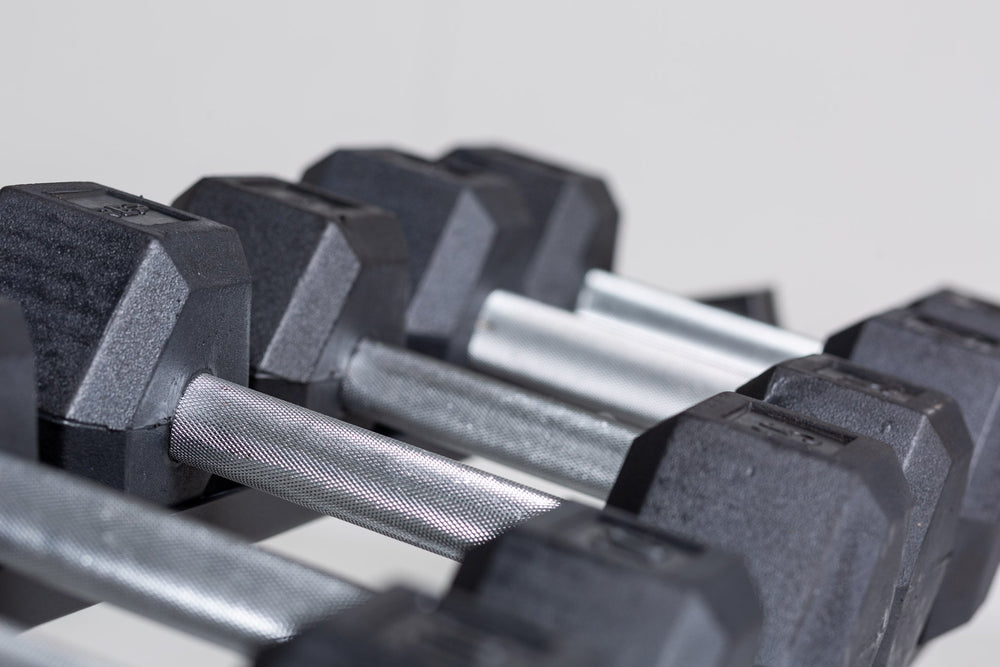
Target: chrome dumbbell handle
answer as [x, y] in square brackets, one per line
[470, 413]
[104, 546]
[590, 365]
[345, 471]
[751, 345]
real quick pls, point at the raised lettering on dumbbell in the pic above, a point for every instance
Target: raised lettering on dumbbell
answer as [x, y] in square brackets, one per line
[861, 378]
[973, 339]
[124, 210]
[759, 421]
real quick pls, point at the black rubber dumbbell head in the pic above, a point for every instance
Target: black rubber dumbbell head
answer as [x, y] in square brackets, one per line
[402, 628]
[150, 296]
[581, 572]
[934, 351]
[17, 393]
[818, 513]
[327, 272]
[575, 214]
[466, 235]
[926, 431]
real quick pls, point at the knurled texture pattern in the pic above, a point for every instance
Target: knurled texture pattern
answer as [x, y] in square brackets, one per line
[345, 471]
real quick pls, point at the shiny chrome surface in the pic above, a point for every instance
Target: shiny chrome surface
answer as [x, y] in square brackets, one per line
[345, 471]
[750, 346]
[442, 404]
[587, 364]
[102, 545]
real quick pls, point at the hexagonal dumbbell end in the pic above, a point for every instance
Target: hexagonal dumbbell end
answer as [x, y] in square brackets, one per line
[467, 235]
[142, 298]
[699, 606]
[576, 214]
[402, 628]
[962, 360]
[17, 393]
[818, 513]
[966, 310]
[926, 431]
[327, 272]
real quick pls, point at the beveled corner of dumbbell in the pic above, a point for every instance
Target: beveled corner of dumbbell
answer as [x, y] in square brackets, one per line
[576, 212]
[17, 392]
[126, 300]
[966, 310]
[927, 433]
[956, 356]
[327, 272]
[621, 588]
[400, 627]
[924, 427]
[466, 236]
[817, 512]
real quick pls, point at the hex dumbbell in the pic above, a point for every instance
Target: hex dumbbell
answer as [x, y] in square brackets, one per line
[447, 405]
[473, 239]
[516, 340]
[946, 341]
[269, 214]
[102, 545]
[169, 305]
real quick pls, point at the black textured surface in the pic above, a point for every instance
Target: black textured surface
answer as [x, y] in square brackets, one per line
[467, 235]
[125, 300]
[17, 391]
[327, 272]
[818, 513]
[963, 362]
[401, 628]
[628, 594]
[926, 431]
[575, 215]
[963, 309]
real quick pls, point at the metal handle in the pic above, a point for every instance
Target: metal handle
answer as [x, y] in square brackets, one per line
[102, 545]
[443, 404]
[584, 363]
[345, 471]
[750, 345]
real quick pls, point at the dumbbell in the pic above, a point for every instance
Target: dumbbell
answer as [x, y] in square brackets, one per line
[945, 341]
[116, 287]
[102, 545]
[516, 340]
[441, 404]
[405, 390]
[472, 238]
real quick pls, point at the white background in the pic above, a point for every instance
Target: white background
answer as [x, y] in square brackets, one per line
[845, 152]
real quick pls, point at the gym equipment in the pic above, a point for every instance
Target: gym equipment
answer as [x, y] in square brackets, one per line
[330, 290]
[947, 341]
[444, 405]
[107, 546]
[112, 282]
[401, 628]
[425, 398]
[472, 238]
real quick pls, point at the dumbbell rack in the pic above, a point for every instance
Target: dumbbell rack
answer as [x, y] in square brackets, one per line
[254, 516]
